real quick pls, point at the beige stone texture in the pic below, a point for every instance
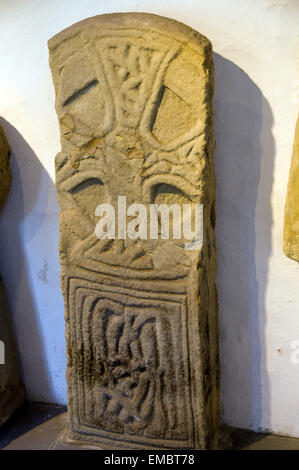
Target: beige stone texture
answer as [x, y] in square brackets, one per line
[291, 218]
[11, 388]
[134, 101]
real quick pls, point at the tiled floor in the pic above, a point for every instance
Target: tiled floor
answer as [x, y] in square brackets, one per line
[38, 427]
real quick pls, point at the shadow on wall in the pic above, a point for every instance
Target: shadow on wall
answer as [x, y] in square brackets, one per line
[20, 221]
[244, 147]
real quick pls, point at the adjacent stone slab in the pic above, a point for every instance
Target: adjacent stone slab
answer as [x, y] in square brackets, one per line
[5, 173]
[11, 388]
[134, 101]
[291, 219]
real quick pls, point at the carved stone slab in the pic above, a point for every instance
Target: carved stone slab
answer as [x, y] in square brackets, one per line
[11, 388]
[291, 218]
[134, 102]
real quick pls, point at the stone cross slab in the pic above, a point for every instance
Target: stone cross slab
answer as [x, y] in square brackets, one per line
[134, 102]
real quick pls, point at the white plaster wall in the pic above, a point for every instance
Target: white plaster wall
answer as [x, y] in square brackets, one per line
[255, 103]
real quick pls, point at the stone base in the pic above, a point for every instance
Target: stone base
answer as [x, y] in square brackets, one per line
[67, 440]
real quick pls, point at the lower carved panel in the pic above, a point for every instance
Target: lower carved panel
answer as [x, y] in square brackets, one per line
[129, 370]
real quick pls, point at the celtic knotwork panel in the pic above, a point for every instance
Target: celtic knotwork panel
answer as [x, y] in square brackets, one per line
[130, 383]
